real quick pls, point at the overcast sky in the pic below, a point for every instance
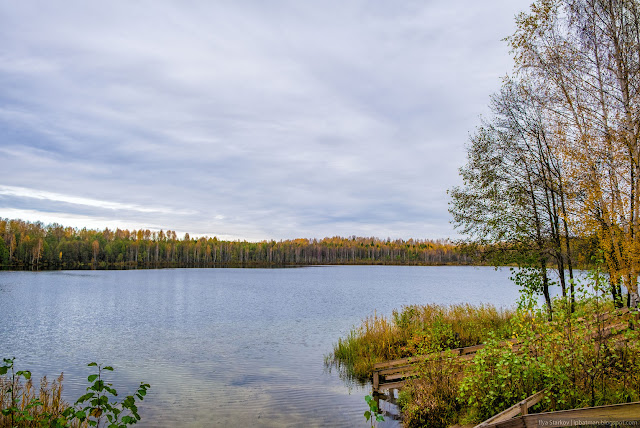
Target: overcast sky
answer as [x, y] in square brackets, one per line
[245, 119]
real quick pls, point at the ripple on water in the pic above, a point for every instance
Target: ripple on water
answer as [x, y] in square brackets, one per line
[220, 347]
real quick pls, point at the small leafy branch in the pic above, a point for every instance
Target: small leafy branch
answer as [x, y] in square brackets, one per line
[372, 415]
[95, 407]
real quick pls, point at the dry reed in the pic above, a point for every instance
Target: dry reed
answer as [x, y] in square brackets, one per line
[47, 399]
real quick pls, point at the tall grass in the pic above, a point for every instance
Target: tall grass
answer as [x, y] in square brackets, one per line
[376, 339]
[416, 330]
[48, 397]
[432, 328]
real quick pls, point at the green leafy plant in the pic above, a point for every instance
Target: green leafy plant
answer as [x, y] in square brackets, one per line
[374, 414]
[96, 408]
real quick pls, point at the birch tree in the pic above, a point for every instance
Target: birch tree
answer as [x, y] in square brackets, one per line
[583, 58]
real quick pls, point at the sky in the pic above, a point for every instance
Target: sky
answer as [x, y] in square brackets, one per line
[245, 119]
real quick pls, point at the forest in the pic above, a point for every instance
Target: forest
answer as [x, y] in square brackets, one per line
[32, 245]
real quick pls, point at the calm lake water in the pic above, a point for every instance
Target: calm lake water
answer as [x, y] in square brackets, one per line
[220, 347]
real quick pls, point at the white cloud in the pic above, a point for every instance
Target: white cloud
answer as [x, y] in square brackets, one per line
[58, 197]
[79, 221]
[292, 119]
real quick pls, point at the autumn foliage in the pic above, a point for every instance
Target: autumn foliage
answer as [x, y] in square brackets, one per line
[560, 158]
[25, 245]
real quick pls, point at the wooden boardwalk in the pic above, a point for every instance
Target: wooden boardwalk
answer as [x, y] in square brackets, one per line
[390, 375]
[393, 374]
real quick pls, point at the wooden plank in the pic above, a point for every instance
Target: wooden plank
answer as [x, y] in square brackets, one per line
[389, 396]
[604, 316]
[524, 409]
[466, 357]
[409, 360]
[471, 349]
[391, 363]
[620, 327]
[391, 385]
[611, 315]
[514, 410]
[536, 398]
[564, 418]
[502, 416]
[401, 375]
[613, 413]
[395, 370]
[512, 423]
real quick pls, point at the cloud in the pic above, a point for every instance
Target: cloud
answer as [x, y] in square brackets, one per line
[22, 192]
[249, 120]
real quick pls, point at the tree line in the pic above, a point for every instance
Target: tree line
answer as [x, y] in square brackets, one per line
[559, 158]
[32, 245]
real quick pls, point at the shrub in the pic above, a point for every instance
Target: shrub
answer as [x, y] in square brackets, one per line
[430, 399]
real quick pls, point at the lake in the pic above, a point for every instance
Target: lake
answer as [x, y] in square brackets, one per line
[220, 347]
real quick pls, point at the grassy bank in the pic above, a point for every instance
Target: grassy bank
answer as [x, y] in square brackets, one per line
[417, 330]
[576, 357]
